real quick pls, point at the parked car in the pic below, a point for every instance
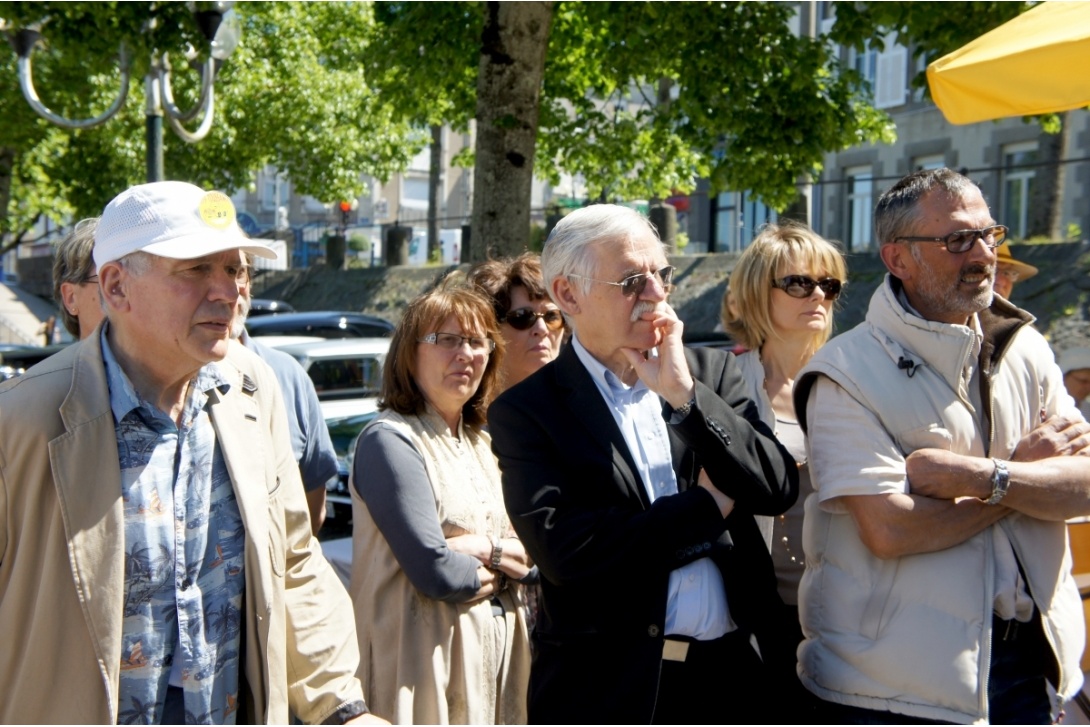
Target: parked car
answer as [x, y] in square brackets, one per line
[345, 369]
[325, 324]
[344, 431]
[14, 360]
[269, 306]
[347, 375]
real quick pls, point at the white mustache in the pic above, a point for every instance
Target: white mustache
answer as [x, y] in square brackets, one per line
[643, 306]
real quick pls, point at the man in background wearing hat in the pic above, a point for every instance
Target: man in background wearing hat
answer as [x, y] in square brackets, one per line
[156, 560]
[1009, 271]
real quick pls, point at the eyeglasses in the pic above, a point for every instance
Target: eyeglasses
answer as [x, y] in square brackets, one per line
[1009, 273]
[453, 342]
[800, 286]
[93, 278]
[962, 240]
[523, 318]
[635, 284]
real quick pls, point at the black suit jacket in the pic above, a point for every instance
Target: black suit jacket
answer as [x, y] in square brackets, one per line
[605, 552]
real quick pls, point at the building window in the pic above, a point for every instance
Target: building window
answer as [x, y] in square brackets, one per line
[755, 214]
[738, 217]
[274, 190]
[930, 161]
[860, 185]
[1019, 182]
[865, 63]
[726, 222]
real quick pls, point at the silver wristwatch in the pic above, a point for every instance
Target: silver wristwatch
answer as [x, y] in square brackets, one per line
[1001, 482]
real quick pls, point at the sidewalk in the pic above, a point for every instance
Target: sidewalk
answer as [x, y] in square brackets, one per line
[21, 315]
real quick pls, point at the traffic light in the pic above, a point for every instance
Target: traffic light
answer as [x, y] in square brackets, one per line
[346, 211]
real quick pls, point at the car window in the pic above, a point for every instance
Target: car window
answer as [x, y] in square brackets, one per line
[349, 376]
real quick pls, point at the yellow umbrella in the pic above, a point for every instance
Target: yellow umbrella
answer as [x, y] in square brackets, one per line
[1037, 63]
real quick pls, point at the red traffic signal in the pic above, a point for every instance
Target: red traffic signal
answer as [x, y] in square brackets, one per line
[346, 207]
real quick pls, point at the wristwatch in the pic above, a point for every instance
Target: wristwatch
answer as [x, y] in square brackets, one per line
[497, 553]
[683, 410]
[1001, 482]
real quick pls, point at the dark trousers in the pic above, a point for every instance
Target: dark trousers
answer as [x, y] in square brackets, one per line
[1017, 684]
[714, 679]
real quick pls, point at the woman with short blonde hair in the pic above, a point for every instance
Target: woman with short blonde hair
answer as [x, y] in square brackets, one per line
[781, 308]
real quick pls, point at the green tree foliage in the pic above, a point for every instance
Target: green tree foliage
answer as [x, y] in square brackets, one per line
[755, 106]
[293, 94]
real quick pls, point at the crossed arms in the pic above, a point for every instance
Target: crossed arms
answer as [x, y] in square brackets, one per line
[945, 502]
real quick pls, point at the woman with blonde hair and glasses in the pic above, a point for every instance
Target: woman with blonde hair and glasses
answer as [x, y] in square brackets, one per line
[435, 568]
[782, 294]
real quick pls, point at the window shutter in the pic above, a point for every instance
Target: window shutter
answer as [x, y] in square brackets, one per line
[890, 82]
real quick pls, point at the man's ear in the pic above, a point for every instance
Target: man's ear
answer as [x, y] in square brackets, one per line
[113, 283]
[896, 257]
[564, 296]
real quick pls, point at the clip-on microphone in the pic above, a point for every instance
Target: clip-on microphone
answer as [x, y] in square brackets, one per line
[907, 364]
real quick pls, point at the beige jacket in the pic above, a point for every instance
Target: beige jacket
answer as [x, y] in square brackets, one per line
[425, 661]
[912, 635]
[62, 560]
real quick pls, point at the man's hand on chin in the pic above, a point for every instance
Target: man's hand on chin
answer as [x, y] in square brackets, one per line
[666, 374]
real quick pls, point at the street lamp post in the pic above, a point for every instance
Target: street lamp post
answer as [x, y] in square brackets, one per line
[220, 27]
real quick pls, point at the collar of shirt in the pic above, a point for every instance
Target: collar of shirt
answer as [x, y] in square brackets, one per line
[638, 413]
[615, 391]
[123, 396]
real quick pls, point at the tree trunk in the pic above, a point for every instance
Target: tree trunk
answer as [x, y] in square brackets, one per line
[513, 46]
[1046, 203]
[7, 168]
[434, 167]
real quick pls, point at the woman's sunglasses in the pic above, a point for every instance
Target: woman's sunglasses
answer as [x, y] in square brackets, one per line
[522, 318]
[800, 286]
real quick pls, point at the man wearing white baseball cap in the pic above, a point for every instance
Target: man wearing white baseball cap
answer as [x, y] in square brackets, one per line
[1075, 366]
[156, 560]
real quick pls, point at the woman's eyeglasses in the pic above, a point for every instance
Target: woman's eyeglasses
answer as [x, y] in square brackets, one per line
[523, 318]
[453, 342]
[801, 286]
[963, 240]
[635, 284]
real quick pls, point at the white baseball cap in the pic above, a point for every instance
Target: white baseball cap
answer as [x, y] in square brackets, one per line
[171, 219]
[1073, 359]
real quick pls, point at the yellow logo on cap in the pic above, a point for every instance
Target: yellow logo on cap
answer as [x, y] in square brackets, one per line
[216, 210]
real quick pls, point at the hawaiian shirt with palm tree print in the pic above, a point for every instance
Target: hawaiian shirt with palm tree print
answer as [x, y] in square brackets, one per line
[184, 548]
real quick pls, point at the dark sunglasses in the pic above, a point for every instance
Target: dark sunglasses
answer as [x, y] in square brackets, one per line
[522, 318]
[800, 286]
[635, 284]
[963, 240]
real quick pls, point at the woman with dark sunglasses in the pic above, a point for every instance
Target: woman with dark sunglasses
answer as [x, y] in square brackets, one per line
[781, 309]
[531, 325]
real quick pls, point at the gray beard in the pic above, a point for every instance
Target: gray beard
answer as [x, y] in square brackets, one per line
[943, 302]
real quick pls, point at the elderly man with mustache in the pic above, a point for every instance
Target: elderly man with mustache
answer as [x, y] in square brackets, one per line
[632, 469]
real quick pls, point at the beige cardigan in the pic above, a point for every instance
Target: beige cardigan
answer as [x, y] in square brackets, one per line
[425, 661]
[62, 557]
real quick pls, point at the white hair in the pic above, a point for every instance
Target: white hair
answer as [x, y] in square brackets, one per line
[570, 249]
